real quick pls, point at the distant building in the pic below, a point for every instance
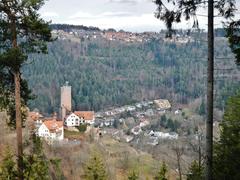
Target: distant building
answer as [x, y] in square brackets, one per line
[79, 117]
[87, 117]
[36, 117]
[162, 135]
[162, 104]
[72, 120]
[51, 130]
[66, 100]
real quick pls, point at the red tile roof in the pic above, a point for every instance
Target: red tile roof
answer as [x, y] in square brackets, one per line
[86, 115]
[53, 125]
[35, 115]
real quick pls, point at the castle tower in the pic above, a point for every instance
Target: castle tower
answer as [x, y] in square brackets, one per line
[66, 100]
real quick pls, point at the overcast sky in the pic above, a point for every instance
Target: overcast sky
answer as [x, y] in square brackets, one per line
[130, 15]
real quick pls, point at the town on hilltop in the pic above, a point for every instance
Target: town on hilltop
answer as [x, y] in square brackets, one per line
[69, 32]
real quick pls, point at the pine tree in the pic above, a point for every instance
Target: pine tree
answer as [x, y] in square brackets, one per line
[227, 148]
[161, 175]
[36, 165]
[22, 31]
[8, 168]
[202, 110]
[195, 172]
[95, 169]
[233, 30]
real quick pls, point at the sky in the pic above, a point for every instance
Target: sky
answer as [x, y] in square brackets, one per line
[129, 15]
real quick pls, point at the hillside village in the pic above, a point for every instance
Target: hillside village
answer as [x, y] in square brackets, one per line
[125, 124]
[113, 35]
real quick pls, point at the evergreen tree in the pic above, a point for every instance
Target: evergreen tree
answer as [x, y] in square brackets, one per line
[95, 169]
[195, 172]
[133, 176]
[227, 148]
[22, 31]
[36, 165]
[233, 30]
[8, 169]
[202, 109]
[161, 175]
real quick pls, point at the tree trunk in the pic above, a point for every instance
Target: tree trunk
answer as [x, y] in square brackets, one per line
[179, 168]
[17, 105]
[179, 152]
[209, 122]
[18, 123]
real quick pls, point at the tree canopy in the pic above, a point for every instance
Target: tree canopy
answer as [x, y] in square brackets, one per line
[227, 148]
[174, 11]
[20, 24]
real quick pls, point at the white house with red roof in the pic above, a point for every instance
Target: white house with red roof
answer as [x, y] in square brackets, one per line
[51, 129]
[88, 117]
[79, 117]
[73, 120]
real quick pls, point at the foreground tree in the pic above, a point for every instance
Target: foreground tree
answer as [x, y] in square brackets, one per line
[195, 171]
[7, 100]
[22, 31]
[35, 164]
[95, 169]
[233, 35]
[227, 148]
[173, 11]
[161, 175]
[8, 166]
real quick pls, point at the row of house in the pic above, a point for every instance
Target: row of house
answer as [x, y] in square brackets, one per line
[52, 129]
[160, 104]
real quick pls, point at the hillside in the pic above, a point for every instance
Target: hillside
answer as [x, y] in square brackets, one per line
[105, 73]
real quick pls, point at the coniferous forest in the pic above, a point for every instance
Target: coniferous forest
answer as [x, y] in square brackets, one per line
[106, 73]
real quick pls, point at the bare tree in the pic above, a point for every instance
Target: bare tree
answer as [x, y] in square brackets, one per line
[179, 152]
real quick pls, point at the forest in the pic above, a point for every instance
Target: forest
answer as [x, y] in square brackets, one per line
[106, 73]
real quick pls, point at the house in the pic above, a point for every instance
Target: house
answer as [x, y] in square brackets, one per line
[36, 117]
[178, 111]
[51, 130]
[87, 116]
[138, 105]
[162, 135]
[73, 120]
[162, 104]
[149, 112]
[109, 122]
[152, 141]
[130, 108]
